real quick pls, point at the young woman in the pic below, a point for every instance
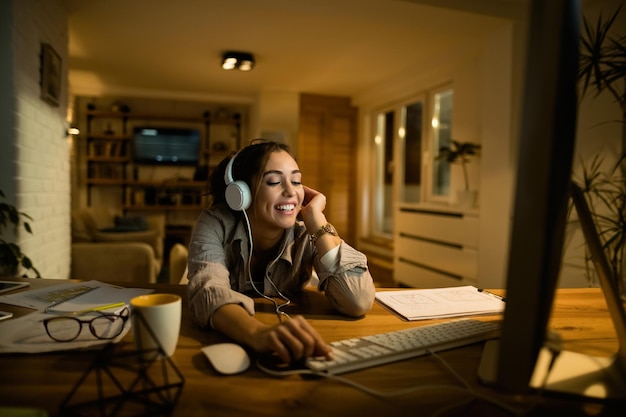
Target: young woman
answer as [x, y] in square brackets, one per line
[270, 249]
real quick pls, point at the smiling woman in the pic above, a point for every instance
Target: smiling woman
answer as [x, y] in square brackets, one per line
[263, 235]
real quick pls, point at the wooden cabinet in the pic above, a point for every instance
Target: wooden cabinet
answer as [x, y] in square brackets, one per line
[435, 247]
[327, 156]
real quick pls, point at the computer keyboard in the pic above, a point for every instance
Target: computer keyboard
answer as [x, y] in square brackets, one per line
[367, 351]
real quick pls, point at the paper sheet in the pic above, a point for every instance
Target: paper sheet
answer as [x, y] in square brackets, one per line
[27, 334]
[441, 302]
[99, 296]
[94, 293]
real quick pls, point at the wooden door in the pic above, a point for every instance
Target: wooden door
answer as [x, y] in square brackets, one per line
[327, 156]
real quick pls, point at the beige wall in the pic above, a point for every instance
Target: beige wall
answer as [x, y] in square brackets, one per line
[277, 114]
[40, 172]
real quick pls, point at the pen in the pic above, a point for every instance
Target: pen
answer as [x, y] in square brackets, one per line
[490, 293]
[98, 308]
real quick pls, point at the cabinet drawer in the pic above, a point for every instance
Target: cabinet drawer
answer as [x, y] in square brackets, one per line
[457, 229]
[415, 276]
[460, 262]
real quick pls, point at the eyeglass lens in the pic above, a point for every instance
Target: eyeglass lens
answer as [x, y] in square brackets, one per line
[65, 329]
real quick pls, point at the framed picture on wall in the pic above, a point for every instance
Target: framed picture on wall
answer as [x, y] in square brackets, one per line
[50, 74]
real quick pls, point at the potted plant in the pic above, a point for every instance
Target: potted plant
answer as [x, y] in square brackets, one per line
[606, 196]
[460, 152]
[11, 256]
[602, 68]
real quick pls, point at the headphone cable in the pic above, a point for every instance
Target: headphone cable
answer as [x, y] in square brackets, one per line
[277, 307]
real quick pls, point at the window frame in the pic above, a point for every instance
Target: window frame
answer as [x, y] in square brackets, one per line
[432, 151]
[398, 108]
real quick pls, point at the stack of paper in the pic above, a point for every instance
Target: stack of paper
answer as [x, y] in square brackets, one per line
[441, 302]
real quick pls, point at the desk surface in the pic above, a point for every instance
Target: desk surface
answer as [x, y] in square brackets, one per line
[44, 380]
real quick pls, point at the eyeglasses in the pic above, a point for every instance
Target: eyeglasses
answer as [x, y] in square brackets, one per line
[105, 326]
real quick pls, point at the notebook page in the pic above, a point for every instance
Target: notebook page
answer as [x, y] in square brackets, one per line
[99, 296]
[441, 302]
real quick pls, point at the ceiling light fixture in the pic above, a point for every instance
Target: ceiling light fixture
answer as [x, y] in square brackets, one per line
[243, 61]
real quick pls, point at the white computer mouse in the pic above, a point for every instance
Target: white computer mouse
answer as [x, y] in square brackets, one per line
[227, 358]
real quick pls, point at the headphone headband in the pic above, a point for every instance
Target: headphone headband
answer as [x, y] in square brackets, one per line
[228, 173]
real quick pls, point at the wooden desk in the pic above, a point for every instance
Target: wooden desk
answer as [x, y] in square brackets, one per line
[44, 380]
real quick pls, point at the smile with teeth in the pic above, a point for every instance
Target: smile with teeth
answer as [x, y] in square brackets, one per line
[286, 207]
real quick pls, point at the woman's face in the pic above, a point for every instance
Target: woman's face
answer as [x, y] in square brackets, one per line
[280, 195]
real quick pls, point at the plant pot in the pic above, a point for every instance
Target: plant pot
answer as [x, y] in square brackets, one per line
[466, 199]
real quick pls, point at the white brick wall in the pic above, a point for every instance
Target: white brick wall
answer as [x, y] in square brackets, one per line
[42, 149]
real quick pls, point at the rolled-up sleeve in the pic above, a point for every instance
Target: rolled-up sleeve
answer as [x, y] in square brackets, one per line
[347, 282]
[209, 285]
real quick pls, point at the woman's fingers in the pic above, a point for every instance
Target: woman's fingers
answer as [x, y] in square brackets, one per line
[296, 339]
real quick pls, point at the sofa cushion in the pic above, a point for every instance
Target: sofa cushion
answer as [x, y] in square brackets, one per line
[117, 261]
[80, 232]
[92, 221]
[127, 224]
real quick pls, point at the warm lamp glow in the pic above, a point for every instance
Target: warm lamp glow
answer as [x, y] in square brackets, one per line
[243, 61]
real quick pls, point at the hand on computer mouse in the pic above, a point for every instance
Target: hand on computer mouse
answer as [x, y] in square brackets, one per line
[292, 340]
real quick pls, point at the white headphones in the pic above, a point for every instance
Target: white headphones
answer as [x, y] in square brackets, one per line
[237, 194]
[238, 197]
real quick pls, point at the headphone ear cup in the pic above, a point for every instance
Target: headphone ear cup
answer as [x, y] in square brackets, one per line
[238, 195]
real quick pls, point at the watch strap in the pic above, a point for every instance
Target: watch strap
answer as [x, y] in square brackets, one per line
[327, 228]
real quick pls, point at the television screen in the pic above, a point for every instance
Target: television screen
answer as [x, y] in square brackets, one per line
[166, 146]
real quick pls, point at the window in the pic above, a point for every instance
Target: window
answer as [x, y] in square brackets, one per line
[441, 129]
[398, 137]
[404, 164]
[411, 134]
[383, 174]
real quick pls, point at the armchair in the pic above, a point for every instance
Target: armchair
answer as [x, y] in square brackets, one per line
[105, 246]
[178, 264]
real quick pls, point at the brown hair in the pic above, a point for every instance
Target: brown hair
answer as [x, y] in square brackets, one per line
[247, 166]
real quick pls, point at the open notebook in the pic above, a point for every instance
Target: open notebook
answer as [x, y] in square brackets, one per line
[104, 298]
[73, 297]
[437, 303]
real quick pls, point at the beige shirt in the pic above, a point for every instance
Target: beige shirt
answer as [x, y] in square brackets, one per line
[218, 253]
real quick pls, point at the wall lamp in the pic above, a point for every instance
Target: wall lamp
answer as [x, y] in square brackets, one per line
[242, 61]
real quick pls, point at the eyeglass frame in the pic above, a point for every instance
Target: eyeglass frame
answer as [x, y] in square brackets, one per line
[124, 314]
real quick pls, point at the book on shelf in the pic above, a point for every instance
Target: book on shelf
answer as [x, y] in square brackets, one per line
[108, 148]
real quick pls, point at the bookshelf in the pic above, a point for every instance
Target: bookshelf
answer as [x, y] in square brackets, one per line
[109, 159]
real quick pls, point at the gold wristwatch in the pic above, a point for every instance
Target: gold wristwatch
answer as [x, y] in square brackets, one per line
[327, 228]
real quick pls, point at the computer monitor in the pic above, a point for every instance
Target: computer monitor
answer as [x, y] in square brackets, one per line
[543, 180]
